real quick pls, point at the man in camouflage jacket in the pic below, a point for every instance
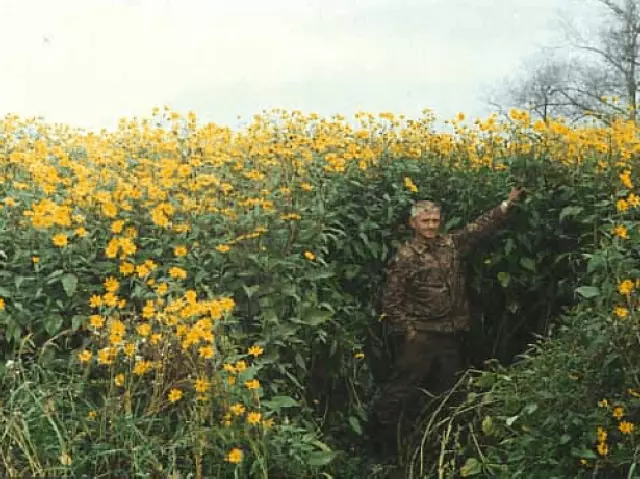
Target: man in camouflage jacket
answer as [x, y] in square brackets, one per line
[425, 304]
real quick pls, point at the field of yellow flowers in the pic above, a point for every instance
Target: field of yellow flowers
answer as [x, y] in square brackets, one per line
[183, 298]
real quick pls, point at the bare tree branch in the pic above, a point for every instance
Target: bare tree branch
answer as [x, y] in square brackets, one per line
[592, 69]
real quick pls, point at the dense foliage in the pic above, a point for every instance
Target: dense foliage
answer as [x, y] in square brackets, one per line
[180, 298]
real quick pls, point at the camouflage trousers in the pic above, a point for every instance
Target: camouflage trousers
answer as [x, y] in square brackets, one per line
[428, 361]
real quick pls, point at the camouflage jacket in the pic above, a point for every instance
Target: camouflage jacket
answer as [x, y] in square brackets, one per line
[426, 284]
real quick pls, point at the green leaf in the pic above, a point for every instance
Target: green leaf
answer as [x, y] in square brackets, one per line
[4, 292]
[471, 468]
[69, 283]
[318, 274]
[321, 458]
[510, 420]
[583, 453]
[452, 223]
[504, 278]
[278, 402]
[52, 324]
[314, 317]
[509, 246]
[595, 263]
[355, 425]
[528, 263]
[588, 291]
[570, 211]
[77, 321]
[285, 330]
[250, 290]
[487, 426]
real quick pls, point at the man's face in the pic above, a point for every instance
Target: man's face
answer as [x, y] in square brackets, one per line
[426, 223]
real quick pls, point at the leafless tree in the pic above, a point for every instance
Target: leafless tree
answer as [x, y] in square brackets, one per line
[598, 72]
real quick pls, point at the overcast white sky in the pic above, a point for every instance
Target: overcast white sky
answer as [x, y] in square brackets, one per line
[89, 62]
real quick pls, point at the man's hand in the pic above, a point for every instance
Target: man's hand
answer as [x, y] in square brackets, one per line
[515, 194]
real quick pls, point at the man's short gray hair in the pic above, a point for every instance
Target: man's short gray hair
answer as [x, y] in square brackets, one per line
[424, 205]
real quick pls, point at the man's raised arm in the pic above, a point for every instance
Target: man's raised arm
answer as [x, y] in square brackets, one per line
[486, 223]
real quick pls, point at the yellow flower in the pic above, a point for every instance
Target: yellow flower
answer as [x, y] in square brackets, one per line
[177, 273]
[144, 329]
[96, 321]
[625, 287]
[35, 259]
[234, 456]
[410, 185]
[202, 385]
[81, 232]
[621, 312]
[119, 380]
[95, 301]
[148, 310]
[191, 296]
[241, 366]
[601, 434]
[230, 368]
[142, 270]
[65, 459]
[110, 299]
[60, 240]
[226, 419]
[252, 384]
[621, 231]
[111, 284]
[633, 200]
[237, 409]
[626, 427]
[633, 392]
[625, 178]
[306, 186]
[618, 412]
[622, 205]
[141, 367]
[106, 355]
[254, 417]
[309, 255]
[129, 350]
[116, 226]
[181, 228]
[460, 117]
[267, 423]
[111, 251]
[162, 289]
[85, 356]
[175, 395]
[2, 304]
[128, 246]
[109, 210]
[231, 380]
[206, 352]
[603, 449]
[127, 268]
[255, 350]
[603, 403]
[223, 248]
[180, 251]
[92, 415]
[359, 355]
